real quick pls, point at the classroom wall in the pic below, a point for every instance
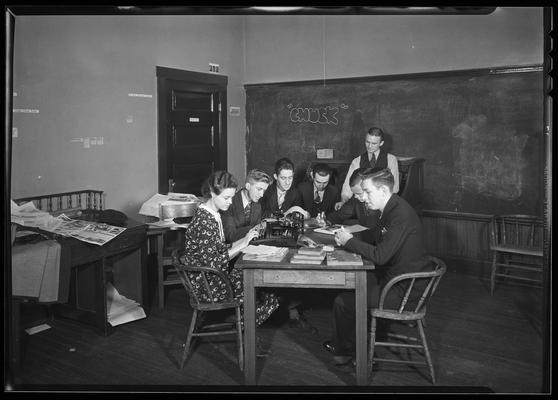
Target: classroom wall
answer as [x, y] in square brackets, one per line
[77, 71]
[308, 47]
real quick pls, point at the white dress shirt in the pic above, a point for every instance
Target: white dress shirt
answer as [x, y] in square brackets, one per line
[347, 193]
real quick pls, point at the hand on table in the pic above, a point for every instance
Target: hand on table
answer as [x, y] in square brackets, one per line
[338, 205]
[342, 237]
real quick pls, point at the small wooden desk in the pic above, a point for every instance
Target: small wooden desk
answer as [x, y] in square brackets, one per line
[284, 274]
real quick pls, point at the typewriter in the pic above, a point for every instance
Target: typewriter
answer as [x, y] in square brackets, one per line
[282, 230]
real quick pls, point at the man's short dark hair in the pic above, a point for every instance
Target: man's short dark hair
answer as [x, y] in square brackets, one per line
[321, 169]
[375, 131]
[283, 163]
[380, 177]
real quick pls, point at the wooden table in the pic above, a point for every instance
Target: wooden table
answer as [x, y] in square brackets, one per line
[284, 274]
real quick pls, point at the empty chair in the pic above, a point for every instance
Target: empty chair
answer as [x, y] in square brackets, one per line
[517, 248]
[191, 277]
[411, 308]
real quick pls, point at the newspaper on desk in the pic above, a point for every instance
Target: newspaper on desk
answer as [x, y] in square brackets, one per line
[86, 231]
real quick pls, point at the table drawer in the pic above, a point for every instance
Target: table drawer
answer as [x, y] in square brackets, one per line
[305, 277]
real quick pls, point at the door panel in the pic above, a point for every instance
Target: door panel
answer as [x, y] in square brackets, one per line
[192, 131]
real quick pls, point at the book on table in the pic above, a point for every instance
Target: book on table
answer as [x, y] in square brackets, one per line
[311, 251]
[308, 256]
[343, 257]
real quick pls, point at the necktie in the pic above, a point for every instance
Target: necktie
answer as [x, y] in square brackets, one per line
[317, 197]
[373, 161]
[247, 210]
[280, 198]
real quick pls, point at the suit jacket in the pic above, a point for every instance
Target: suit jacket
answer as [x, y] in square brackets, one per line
[397, 247]
[234, 225]
[355, 212]
[269, 200]
[331, 196]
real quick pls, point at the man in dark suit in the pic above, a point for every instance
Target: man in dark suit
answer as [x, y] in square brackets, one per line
[397, 248]
[281, 196]
[355, 210]
[245, 211]
[318, 196]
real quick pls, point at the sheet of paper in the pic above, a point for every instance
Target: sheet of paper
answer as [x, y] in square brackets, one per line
[121, 309]
[261, 249]
[37, 329]
[355, 228]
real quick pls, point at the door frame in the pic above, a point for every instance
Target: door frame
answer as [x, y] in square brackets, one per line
[213, 81]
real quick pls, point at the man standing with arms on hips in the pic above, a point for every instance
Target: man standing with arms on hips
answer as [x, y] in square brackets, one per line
[397, 248]
[373, 157]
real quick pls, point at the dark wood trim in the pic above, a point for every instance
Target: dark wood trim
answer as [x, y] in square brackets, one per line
[457, 215]
[161, 138]
[420, 75]
[192, 77]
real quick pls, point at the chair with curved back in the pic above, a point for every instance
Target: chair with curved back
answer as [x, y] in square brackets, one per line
[410, 308]
[200, 306]
[517, 248]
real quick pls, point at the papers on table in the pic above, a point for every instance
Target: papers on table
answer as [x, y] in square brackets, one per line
[86, 231]
[332, 229]
[264, 253]
[29, 215]
[121, 309]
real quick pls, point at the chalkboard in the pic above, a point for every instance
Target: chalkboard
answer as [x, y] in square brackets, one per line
[480, 131]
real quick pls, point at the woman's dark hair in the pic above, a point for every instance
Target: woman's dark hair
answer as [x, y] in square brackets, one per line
[217, 182]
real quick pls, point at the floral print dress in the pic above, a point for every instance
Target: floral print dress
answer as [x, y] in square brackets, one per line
[205, 246]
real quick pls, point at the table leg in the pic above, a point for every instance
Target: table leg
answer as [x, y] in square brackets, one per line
[249, 328]
[160, 275]
[361, 328]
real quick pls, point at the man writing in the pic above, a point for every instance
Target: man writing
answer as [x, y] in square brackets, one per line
[355, 210]
[318, 196]
[397, 248]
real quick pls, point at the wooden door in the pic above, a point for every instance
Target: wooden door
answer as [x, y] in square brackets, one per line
[192, 128]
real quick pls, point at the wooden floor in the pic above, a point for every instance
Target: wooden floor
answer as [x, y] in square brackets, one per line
[477, 342]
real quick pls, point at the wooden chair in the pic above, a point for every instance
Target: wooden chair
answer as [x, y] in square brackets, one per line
[199, 306]
[517, 248]
[408, 310]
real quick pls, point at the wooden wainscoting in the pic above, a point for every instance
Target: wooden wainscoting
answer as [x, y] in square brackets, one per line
[462, 239]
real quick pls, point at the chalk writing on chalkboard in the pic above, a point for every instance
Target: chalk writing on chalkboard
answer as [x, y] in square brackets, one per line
[315, 115]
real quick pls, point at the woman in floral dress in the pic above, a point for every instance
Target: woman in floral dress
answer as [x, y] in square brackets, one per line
[205, 245]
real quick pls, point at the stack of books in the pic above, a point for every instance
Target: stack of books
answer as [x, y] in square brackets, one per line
[343, 257]
[308, 255]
